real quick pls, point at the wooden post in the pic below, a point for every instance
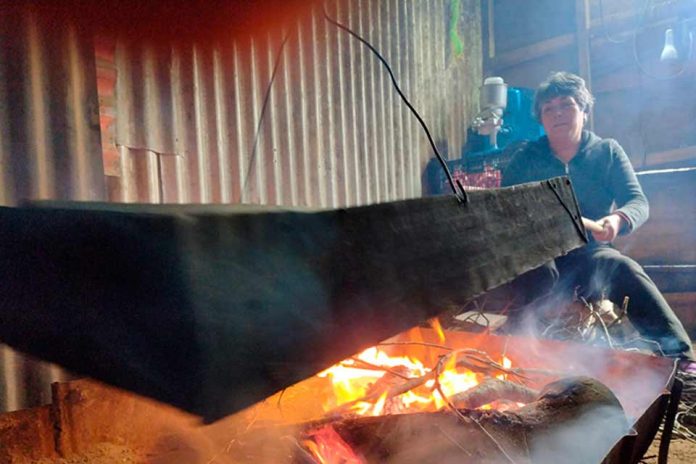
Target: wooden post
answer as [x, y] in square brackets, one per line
[582, 37]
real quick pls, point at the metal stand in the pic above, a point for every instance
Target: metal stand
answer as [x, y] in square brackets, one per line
[670, 416]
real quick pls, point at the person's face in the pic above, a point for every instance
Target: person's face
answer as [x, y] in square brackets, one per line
[562, 119]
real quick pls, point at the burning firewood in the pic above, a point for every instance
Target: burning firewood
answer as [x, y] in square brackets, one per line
[572, 421]
[493, 389]
[395, 383]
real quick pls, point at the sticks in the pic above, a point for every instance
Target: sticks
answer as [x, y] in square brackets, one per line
[376, 367]
[391, 392]
[474, 360]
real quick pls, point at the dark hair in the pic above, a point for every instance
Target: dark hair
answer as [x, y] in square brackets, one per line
[563, 84]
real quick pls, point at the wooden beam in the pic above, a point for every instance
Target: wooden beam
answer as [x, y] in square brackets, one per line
[671, 156]
[582, 36]
[491, 29]
[213, 309]
[676, 278]
[533, 51]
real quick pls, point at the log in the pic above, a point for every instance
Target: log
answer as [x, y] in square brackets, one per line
[493, 389]
[573, 420]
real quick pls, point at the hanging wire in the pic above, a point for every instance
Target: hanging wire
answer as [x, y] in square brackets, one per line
[264, 107]
[461, 193]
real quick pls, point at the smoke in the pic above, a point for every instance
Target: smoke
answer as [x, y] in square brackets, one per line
[584, 439]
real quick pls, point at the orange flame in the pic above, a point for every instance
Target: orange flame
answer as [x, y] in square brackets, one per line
[374, 371]
[507, 364]
[437, 327]
[352, 378]
[363, 382]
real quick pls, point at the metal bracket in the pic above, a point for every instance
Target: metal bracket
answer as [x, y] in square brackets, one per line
[577, 220]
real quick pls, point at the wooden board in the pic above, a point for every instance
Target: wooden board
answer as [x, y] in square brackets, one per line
[212, 309]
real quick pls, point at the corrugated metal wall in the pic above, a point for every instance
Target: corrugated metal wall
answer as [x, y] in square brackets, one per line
[49, 146]
[179, 122]
[335, 132]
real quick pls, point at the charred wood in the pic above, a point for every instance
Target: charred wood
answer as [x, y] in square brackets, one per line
[573, 420]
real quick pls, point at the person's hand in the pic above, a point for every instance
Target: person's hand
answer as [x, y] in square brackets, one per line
[611, 225]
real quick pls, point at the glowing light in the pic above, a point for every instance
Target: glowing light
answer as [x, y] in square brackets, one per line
[437, 327]
[452, 381]
[328, 447]
[379, 405]
[507, 364]
[373, 372]
[351, 380]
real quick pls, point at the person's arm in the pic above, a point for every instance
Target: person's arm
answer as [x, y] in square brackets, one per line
[631, 204]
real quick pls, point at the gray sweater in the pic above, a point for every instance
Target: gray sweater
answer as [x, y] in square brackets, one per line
[601, 174]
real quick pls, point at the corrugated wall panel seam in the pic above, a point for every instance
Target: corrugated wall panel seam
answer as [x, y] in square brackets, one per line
[354, 70]
[373, 142]
[222, 124]
[318, 96]
[288, 91]
[256, 157]
[303, 131]
[242, 138]
[273, 164]
[344, 90]
[38, 124]
[393, 169]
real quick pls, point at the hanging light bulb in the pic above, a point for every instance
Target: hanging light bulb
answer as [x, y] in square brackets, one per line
[669, 53]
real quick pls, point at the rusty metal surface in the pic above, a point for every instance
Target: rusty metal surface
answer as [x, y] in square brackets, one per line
[184, 117]
[27, 436]
[49, 127]
[335, 132]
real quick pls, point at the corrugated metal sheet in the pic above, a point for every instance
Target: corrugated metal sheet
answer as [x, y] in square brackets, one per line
[49, 126]
[334, 133]
[49, 147]
[185, 118]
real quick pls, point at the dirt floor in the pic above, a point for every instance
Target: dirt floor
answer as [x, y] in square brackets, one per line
[682, 449]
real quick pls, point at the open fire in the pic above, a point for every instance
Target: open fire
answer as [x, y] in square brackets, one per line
[373, 371]
[444, 396]
[375, 383]
[332, 419]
